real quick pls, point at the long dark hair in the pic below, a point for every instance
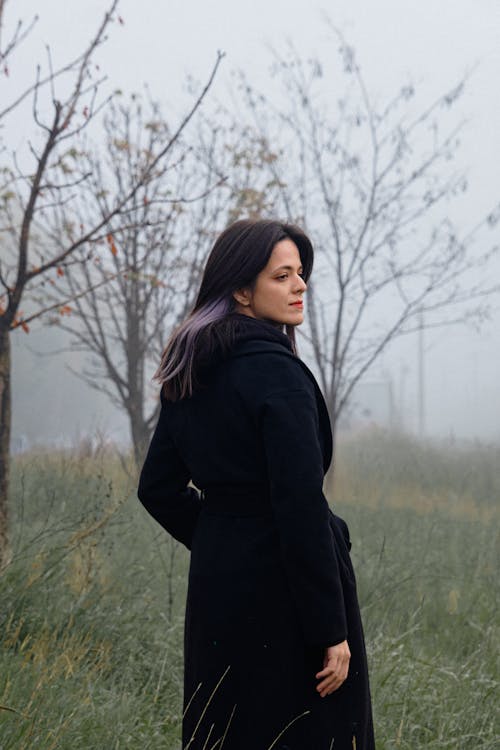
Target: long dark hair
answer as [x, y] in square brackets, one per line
[239, 254]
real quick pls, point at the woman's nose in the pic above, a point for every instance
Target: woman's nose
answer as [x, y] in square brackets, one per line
[301, 284]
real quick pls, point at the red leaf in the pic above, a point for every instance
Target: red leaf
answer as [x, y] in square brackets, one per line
[18, 321]
[65, 310]
[60, 271]
[111, 243]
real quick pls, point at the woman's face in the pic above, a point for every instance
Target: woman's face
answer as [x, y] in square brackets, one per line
[279, 288]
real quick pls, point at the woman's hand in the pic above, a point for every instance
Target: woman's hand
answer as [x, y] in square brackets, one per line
[335, 668]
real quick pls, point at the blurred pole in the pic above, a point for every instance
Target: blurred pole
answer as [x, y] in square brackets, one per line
[403, 371]
[393, 417]
[421, 377]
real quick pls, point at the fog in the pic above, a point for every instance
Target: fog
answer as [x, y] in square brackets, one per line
[395, 42]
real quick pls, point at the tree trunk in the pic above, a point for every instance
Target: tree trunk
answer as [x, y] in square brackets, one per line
[5, 420]
[141, 436]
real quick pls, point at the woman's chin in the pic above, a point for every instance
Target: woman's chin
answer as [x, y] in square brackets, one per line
[296, 318]
[293, 318]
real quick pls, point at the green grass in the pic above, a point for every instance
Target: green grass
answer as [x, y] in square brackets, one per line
[91, 607]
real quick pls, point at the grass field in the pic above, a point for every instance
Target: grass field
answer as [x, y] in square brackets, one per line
[91, 608]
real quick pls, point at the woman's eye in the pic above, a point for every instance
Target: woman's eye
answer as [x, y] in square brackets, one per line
[285, 276]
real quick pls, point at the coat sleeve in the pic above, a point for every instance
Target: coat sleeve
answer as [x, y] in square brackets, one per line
[290, 430]
[163, 486]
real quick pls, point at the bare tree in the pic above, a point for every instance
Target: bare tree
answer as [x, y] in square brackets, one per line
[39, 198]
[371, 184]
[124, 324]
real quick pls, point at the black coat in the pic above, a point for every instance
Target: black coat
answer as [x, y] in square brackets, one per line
[271, 582]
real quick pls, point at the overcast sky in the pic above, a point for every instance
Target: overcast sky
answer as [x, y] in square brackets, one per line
[430, 43]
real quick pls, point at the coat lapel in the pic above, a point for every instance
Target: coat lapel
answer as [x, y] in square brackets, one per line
[247, 348]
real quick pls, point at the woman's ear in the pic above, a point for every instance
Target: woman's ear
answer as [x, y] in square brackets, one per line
[242, 296]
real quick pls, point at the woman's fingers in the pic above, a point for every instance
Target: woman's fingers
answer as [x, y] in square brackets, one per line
[331, 666]
[329, 687]
[332, 680]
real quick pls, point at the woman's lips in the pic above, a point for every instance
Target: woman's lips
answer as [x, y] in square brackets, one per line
[297, 304]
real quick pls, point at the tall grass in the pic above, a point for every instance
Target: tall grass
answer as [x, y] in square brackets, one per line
[91, 608]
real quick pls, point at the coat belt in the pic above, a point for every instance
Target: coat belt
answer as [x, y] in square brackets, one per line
[239, 500]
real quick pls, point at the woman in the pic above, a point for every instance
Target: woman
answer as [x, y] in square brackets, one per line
[274, 651]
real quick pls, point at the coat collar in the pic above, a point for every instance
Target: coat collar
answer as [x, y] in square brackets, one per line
[255, 346]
